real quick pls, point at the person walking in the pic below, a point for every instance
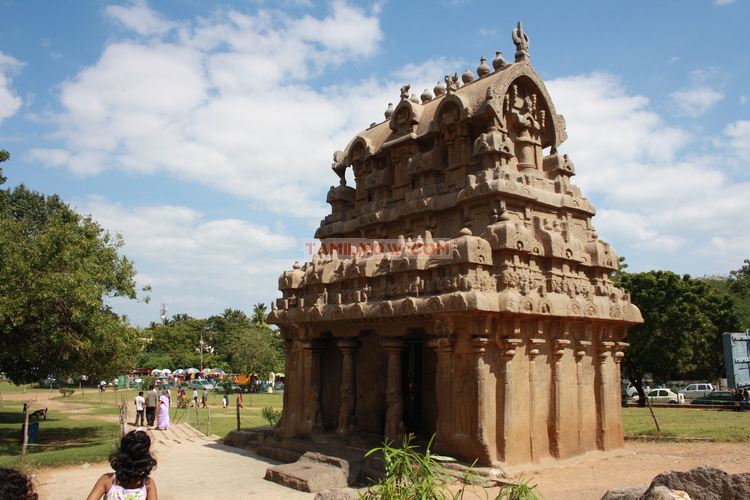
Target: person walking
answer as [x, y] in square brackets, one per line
[225, 400]
[140, 404]
[151, 400]
[204, 398]
[195, 397]
[163, 416]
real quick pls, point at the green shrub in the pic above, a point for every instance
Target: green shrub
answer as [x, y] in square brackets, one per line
[411, 474]
[273, 416]
[522, 490]
[67, 392]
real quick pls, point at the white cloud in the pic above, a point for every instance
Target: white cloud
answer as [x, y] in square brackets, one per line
[139, 17]
[49, 156]
[225, 102]
[743, 100]
[722, 3]
[656, 195]
[10, 103]
[696, 101]
[738, 135]
[703, 92]
[178, 250]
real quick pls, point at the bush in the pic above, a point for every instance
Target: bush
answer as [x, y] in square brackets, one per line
[411, 474]
[522, 490]
[67, 392]
[273, 416]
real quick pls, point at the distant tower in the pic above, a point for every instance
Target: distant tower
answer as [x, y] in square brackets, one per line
[164, 313]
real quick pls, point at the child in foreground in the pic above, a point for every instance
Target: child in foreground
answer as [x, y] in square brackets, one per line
[15, 485]
[133, 464]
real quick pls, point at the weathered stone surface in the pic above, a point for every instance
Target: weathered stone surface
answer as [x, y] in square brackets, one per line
[631, 493]
[338, 494]
[704, 483]
[241, 439]
[664, 493]
[461, 289]
[313, 472]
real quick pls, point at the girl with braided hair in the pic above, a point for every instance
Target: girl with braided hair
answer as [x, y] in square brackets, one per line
[132, 464]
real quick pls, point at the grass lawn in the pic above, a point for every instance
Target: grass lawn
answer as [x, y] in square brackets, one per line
[66, 438]
[720, 426]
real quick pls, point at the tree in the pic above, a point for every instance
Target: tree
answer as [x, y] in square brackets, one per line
[56, 270]
[259, 314]
[258, 350]
[739, 279]
[4, 156]
[684, 319]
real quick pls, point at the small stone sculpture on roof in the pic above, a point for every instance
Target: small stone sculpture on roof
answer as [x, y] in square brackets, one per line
[521, 41]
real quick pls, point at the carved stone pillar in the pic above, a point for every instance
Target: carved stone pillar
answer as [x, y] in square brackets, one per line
[443, 391]
[580, 355]
[619, 354]
[394, 415]
[509, 421]
[289, 414]
[606, 431]
[486, 406]
[348, 387]
[313, 421]
[557, 388]
[534, 430]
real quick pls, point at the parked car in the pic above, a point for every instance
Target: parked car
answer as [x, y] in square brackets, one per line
[630, 390]
[201, 384]
[698, 390]
[722, 398]
[663, 396]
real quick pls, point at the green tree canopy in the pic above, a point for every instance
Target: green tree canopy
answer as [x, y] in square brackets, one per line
[232, 341]
[683, 322]
[57, 268]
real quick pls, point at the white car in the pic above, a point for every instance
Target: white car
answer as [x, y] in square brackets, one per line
[663, 396]
[698, 390]
[631, 390]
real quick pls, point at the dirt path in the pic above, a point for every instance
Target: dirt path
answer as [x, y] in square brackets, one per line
[188, 468]
[589, 477]
[205, 470]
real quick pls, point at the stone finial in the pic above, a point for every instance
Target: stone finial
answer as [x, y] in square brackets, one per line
[389, 112]
[451, 82]
[413, 98]
[426, 96]
[465, 231]
[499, 62]
[521, 41]
[405, 92]
[468, 77]
[339, 166]
[439, 89]
[483, 69]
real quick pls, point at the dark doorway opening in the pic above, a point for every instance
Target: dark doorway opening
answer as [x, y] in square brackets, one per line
[413, 387]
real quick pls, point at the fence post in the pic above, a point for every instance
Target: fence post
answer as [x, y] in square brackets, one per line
[25, 430]
[197, 418]
[123, 418]
[238, 413]
[208, 424]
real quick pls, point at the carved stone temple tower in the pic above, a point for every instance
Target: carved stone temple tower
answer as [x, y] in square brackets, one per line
[508, 347]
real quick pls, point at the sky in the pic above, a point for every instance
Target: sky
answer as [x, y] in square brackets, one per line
[203, 132]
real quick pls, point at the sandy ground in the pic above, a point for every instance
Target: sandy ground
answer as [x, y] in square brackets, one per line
[589, 477]
[208, 471]
[190, 469]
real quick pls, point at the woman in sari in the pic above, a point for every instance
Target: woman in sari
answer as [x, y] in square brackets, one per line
[163, 424]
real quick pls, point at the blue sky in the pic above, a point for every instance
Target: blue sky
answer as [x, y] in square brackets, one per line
[203, 131]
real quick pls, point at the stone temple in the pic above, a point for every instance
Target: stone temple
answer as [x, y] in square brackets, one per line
[507, 347]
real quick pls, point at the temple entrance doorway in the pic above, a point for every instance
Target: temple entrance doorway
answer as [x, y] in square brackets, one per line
[419, 386]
